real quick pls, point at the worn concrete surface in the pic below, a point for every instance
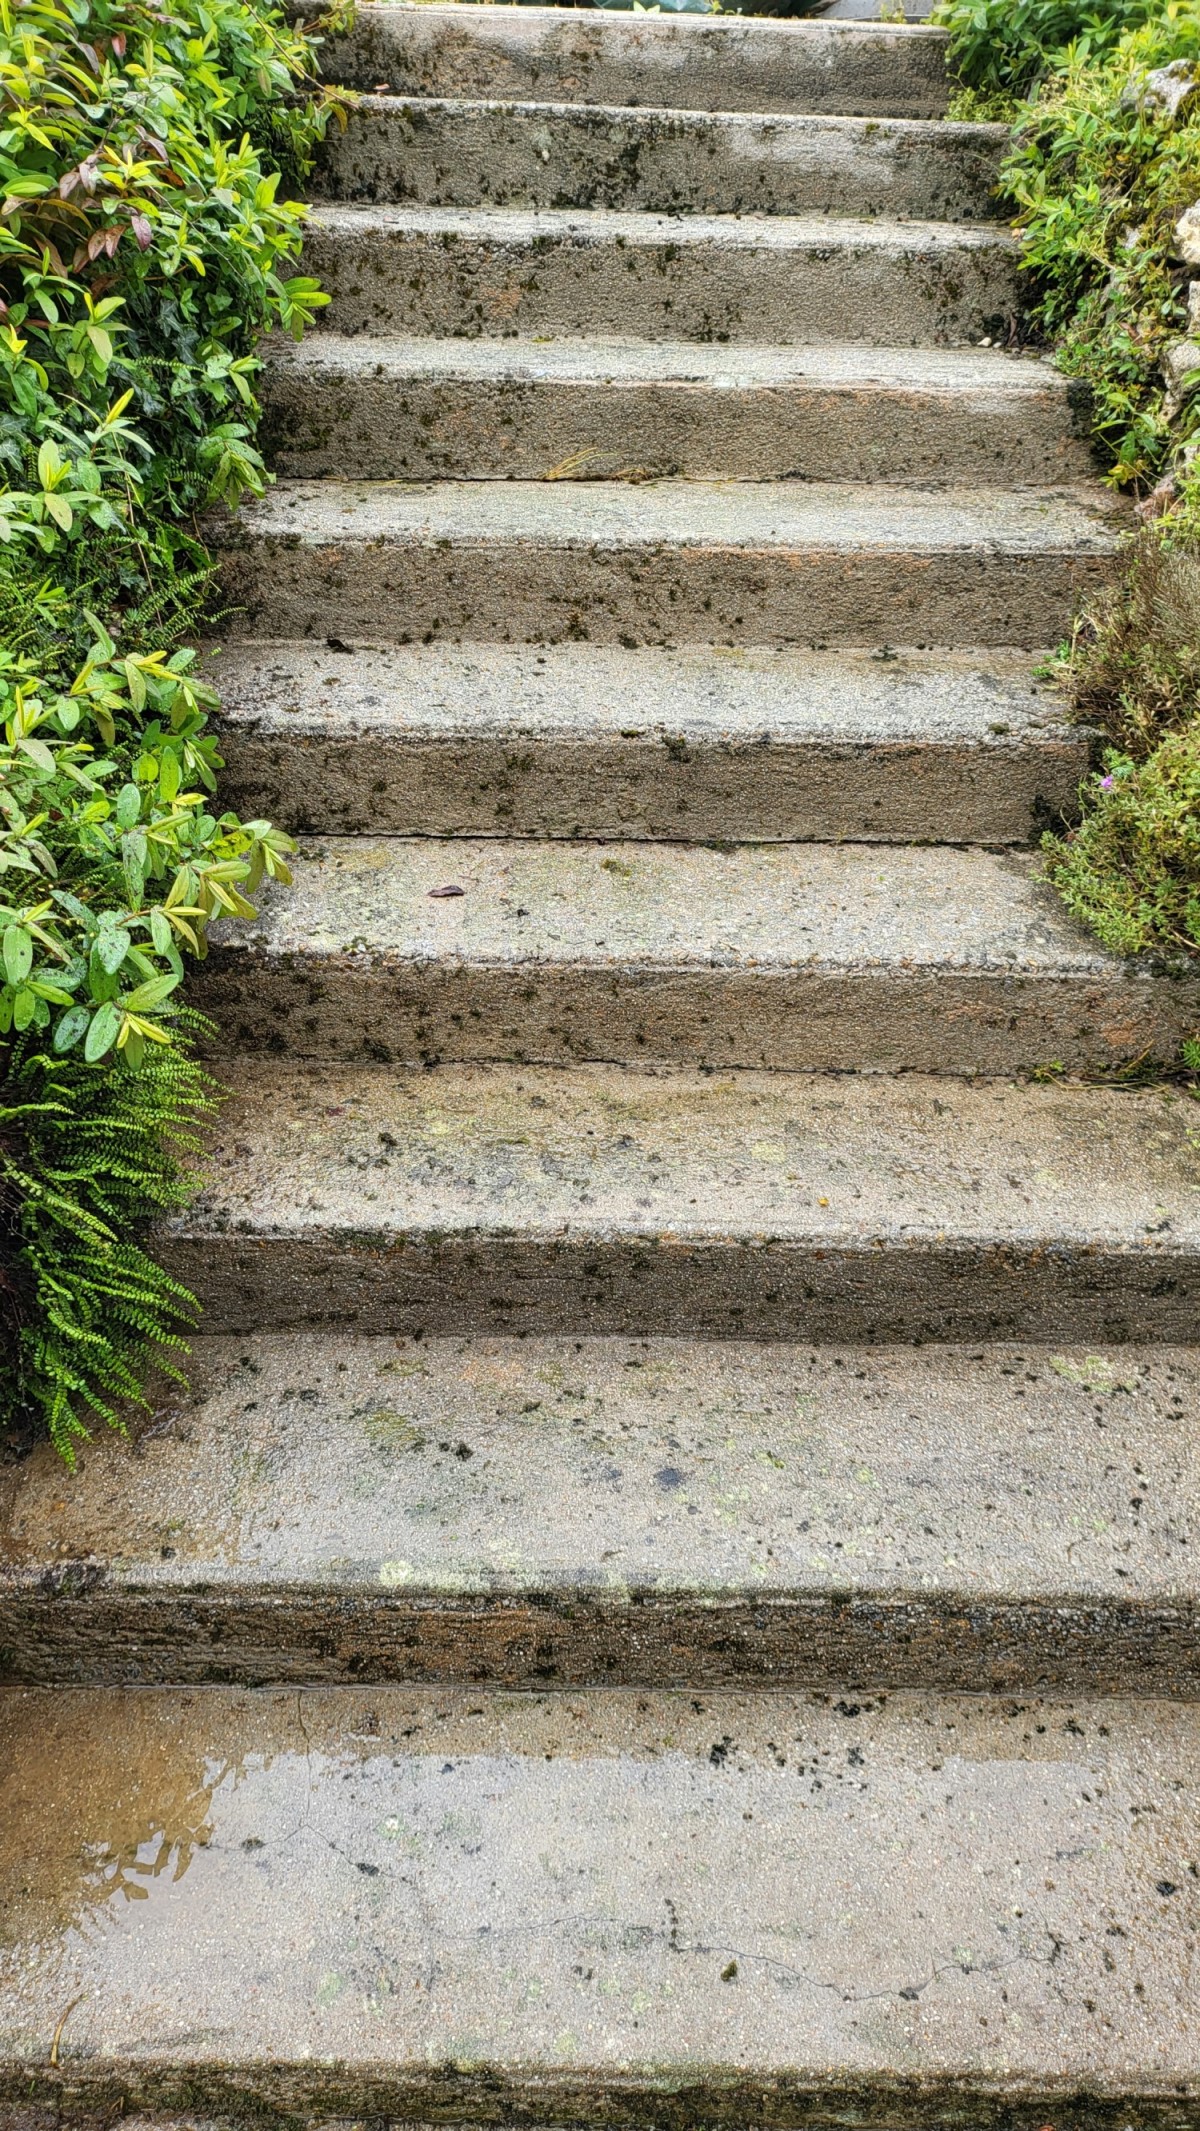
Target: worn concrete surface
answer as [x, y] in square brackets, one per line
[657, 1909]
[715, 63]
[521, 1512]
[527, 1199]
[588, 739]
[665, 562]
[569, 410]
[803, 957]
[498, 271]
[454, 152]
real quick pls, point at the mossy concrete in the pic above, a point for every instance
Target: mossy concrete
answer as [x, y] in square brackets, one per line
[666, 562]
[817, 956]
[592, 740]
[563, 1511]
[461, 271]
[608, 1908]
[722, 63]
[459, 153]
[383, 406]
[470, 1199]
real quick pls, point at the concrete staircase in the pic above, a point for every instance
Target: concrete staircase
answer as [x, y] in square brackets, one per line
[672, 1600]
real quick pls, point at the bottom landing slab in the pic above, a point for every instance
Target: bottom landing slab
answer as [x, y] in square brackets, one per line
[618, 1908]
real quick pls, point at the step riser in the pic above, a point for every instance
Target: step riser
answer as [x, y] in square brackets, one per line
[473, 1282]
[322, 421]
[299, 1639]
[527, 592]
[727, 66]
[406, 280]
[659, 162]
[386, 1010]
[524, 786]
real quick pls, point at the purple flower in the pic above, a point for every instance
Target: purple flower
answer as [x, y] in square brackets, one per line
[1107, 783]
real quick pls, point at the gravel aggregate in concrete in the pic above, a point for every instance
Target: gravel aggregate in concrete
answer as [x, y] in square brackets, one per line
[763, 1205]
[797, 956]
[391, 406]
[495, 271]
[455, 152]
[665, 562]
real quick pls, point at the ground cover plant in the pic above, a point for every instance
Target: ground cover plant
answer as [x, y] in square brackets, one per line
[1103, 180]
[146, 241]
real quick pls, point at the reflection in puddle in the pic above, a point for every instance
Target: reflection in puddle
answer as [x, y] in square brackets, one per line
[180, 1825]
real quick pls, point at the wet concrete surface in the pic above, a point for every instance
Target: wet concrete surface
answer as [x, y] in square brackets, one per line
[620, 1512]
[780, 278]
[656, 1909]
[396, 407]
[760, 1205]
[463, 153]
[672, 562]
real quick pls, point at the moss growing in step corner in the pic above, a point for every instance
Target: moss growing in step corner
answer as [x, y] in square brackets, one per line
[144, 246]
[1103, 182]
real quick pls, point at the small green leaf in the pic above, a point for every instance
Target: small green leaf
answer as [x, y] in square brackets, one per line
[149, 995]
[17, 953]
[71, 1027]
[102, 1034]
[111, 949]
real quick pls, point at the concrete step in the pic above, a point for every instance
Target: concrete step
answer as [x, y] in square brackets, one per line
[714, 63]
[497, 740]
[497, 271]
[522, 1513]
[805, 957]
[525, 1199]
[367, 406]
[460, 152]
[459, 1908]
[667, 562]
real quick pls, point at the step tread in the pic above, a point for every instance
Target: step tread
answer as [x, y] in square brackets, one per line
[741, 1157]
[757, 515]
[731, 365]
[709, 63]
[621, 1491]
[411, 1901]
[594, 226]
[497, 739]
[782, 126]
[465, 151]
[612, 906]
[877, 1207]
[701, 693]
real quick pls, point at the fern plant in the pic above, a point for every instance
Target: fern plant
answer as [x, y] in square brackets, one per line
[87, 1155]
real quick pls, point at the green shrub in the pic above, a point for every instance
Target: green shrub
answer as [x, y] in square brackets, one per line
[1001, 48]
[1098, 176]
[144, 247]
[1131, 870]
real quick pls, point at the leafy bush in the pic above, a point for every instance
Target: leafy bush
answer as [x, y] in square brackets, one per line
[1132, 869]
[1098, 176]
[1001, 48]
[1104, 160]
[144, 247]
